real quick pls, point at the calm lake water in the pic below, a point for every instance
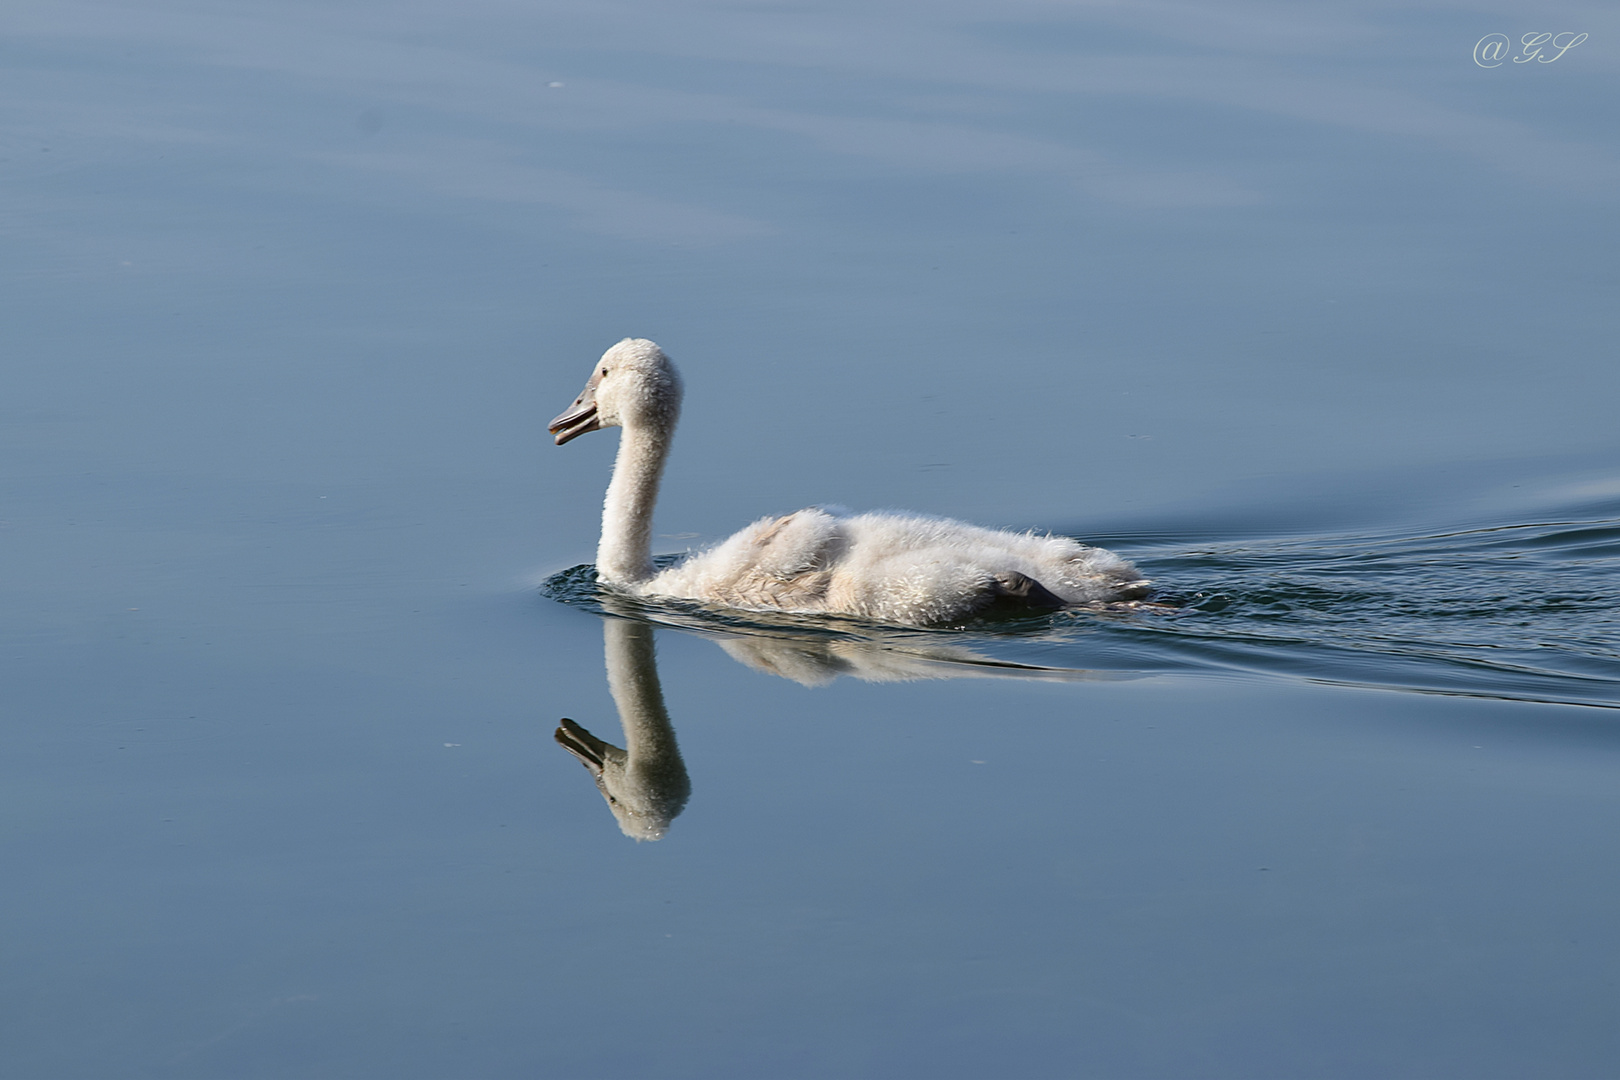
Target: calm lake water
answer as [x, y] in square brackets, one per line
[1309, 312]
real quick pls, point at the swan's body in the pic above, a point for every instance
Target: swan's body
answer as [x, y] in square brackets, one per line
[895, 568]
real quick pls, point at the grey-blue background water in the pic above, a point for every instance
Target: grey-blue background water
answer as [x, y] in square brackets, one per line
[1299, 307]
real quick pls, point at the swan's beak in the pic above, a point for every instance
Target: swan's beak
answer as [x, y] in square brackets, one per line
[577, 420]
[579, 417]
[591, 751]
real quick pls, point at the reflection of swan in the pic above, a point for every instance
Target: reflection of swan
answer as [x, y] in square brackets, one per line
[802, 649]
[896, 568]
[818, 661]
[645, 783]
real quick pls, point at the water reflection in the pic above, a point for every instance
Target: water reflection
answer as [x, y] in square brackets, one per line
[816, 661]
[645, 783]
[1517, 601]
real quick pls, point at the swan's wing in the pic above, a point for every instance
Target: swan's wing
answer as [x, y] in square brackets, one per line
[779, 563]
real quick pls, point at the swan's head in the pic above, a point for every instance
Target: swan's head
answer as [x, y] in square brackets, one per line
[634, 385]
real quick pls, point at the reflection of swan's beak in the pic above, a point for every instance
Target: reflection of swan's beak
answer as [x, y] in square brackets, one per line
[592, 752]
[579, 417]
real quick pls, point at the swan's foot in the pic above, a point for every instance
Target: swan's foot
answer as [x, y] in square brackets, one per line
[1009, 588]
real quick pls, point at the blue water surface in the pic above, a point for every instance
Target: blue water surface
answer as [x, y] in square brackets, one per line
[1304, 310]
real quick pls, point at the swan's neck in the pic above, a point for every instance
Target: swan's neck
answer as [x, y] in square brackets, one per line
[624, 556]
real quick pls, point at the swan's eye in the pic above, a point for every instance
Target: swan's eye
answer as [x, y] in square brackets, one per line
[604, 371]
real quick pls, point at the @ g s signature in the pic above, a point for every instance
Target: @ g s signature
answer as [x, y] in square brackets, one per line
[1492, 50]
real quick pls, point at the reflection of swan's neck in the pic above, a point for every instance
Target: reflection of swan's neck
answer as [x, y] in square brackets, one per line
[632, 671]
[650, 787]
[624, 556]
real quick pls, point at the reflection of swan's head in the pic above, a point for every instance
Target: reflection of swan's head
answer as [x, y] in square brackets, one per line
[634, 385]
[645, 792]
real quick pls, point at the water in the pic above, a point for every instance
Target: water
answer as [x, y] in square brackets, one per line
[1521, 609]
[1305, 312]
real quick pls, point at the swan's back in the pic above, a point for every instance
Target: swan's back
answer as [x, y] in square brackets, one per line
[898, 568]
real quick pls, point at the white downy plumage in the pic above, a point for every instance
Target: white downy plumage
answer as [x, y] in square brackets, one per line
[889, 567]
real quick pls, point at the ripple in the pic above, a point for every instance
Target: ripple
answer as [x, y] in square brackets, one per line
[1506, 609]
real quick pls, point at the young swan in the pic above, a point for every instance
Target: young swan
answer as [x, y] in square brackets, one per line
[888, 567]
